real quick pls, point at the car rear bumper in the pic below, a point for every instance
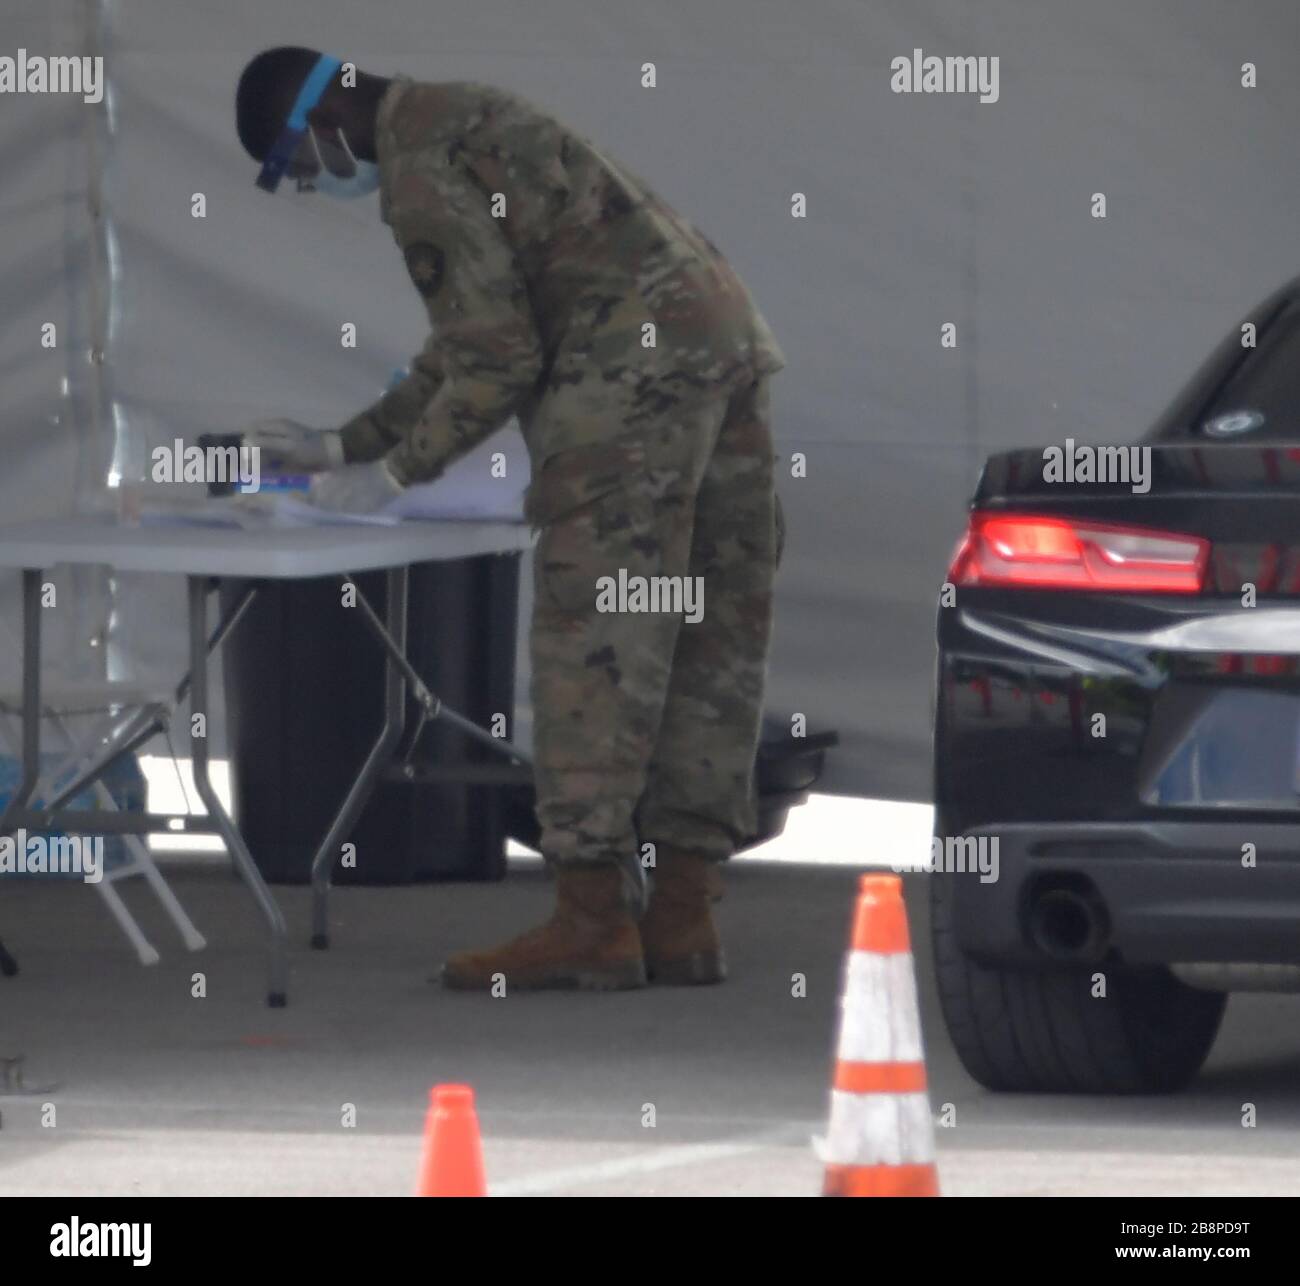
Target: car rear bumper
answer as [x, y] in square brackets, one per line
[1167, 891]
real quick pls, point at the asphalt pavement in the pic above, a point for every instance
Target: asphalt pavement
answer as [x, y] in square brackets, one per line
[157, 1089]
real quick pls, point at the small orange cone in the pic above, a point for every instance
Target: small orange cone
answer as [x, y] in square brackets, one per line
[880, 1140]
[452, 1165]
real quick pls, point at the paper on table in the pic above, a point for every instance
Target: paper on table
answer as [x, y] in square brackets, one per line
[290, 510]
[266, 510]
[470, 490]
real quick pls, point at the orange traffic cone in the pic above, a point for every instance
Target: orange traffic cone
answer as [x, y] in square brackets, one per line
[880, 1140]
[452, 1165]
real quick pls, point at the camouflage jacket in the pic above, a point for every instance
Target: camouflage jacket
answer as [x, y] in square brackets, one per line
[546, 270]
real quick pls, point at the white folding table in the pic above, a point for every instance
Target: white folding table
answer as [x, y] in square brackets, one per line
[205, 555]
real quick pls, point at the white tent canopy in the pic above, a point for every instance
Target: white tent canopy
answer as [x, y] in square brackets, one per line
[921, 210]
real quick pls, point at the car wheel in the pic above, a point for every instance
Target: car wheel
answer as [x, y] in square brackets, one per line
[1044, 1030]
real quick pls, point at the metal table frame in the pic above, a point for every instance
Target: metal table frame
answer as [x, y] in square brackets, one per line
[400, 676]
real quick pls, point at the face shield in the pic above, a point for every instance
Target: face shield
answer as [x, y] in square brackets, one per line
[315, 162]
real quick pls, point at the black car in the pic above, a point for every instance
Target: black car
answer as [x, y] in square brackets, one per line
[1117, 736]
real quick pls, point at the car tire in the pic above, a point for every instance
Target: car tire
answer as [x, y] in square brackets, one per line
[1025, 1030]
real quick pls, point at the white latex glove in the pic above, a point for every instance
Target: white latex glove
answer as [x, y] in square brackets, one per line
[287, 446]
[355, 488]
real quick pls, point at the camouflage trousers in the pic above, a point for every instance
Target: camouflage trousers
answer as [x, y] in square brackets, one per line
[646, 722]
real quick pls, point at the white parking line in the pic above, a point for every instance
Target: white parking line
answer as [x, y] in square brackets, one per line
[649, 1162]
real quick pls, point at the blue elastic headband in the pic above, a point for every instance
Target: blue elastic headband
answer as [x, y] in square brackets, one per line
[312, 89]
[295, 127]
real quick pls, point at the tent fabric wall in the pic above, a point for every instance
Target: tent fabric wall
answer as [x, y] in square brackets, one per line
[921, 210]
[52, 428]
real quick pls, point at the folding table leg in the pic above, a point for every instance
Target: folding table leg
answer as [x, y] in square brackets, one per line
[31, 719]
[277, 995]
[380, 753]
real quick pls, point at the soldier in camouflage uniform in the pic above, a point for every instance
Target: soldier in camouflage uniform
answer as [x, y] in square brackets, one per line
[561, 290]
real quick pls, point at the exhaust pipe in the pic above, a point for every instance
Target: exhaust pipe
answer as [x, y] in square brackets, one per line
[1069, 924]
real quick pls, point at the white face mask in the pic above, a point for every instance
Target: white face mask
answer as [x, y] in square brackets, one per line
[361, 182]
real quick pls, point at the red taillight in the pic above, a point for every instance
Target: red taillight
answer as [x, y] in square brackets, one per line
[1036, 552]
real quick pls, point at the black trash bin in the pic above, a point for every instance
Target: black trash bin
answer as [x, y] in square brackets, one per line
[304, 692]
[785, 771]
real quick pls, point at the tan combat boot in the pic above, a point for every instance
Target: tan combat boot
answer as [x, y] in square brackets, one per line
[678, 934]
[590, 942]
